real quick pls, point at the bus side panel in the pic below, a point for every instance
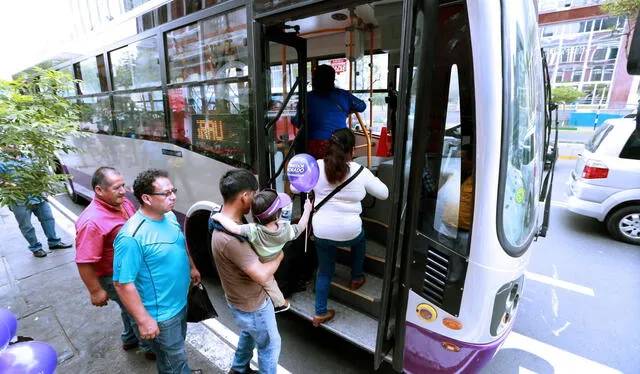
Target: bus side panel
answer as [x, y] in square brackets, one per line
[195, 176]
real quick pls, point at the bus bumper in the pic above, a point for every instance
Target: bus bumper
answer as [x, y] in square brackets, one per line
[424, 352]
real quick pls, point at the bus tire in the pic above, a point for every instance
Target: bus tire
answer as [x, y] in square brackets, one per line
[68, 184]
[624, 224]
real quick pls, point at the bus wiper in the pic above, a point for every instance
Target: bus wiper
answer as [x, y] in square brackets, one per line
[270, 124]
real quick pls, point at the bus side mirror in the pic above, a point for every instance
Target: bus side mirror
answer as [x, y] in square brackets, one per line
[633, 61]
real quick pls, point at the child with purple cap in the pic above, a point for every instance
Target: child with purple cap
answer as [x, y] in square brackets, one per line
[268, 236]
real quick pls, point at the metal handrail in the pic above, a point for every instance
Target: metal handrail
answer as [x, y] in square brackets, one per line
[367, 136]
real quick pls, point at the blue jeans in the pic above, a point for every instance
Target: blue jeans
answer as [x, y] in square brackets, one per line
[43, 212]
[169, 345]
[128, 335]
[327, 251]
[171, 357]
[258, 328]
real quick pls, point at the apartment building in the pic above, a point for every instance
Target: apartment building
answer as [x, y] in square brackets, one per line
[586, 49]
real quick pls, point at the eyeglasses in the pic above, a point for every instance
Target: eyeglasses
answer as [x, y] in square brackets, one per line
[166, 193]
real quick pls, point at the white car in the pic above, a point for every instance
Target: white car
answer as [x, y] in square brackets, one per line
[605, 183]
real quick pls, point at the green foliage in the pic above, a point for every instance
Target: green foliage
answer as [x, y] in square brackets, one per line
[627, 8]
[35, 124]
[566, 95]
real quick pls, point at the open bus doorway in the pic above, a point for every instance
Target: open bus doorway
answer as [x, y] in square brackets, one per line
[363, 45]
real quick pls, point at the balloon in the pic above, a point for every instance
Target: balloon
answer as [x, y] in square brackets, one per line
[303, 172]
[10, 320]
[29, 358]
[5, 336]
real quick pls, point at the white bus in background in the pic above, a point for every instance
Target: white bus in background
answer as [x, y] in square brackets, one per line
[216, 89]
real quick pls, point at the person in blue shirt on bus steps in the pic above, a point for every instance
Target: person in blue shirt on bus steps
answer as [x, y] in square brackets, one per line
[328, 108]
[270, 234]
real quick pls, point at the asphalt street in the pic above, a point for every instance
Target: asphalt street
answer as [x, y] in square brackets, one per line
[578, 310]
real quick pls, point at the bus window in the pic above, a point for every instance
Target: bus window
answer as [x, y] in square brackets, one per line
[447, 180]
[95, 114]
[136, 65]
[140, 115]
[446, 202]
[90, 76]
[516, 216]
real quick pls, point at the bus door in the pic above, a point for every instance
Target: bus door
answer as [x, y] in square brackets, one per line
[414, 108]
[283, 73]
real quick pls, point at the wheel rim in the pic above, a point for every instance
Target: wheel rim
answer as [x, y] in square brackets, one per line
[629, 226]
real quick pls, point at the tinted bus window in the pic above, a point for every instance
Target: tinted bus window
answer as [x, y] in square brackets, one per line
[140, 115]
[70, 90]
[95, 114]
[204, 50]
[136, 65]
[90, 77]
[524, 111]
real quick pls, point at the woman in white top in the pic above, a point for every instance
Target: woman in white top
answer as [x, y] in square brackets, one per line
[337, 223]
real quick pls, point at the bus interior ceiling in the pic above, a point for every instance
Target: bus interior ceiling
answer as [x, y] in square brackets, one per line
[328, 37]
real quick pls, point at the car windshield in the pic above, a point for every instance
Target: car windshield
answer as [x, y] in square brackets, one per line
[598, 137]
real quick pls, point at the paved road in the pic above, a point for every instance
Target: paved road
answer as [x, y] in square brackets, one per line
[578, 313]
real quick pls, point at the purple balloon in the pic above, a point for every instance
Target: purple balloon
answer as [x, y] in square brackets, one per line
[10, 320]
[303, 172]
[5, 336]
[29, 358]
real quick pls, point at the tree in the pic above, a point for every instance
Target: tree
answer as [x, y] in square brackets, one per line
[566, 95]
[35, 124]
[625, 8]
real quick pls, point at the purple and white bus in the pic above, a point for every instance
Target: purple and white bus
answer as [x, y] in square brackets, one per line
[458, 87]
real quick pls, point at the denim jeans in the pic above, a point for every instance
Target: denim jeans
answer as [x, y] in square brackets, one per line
[259, 328]
[43, 212]
[129, 334]
[171, 356]
[327, 251]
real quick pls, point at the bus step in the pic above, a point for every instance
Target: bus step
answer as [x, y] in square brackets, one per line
[366, 298]
[350, 324]
[373, 261]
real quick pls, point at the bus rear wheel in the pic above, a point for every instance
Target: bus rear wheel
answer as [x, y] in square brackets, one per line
[624, 224]
[68, 184]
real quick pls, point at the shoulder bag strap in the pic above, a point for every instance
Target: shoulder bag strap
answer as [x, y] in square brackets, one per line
[337, 189]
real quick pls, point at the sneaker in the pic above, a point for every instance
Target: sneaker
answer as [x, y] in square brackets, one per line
[40, 253]
[282, 308]
[61, 245]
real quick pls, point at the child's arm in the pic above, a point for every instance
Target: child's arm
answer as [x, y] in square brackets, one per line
[228, 224]
[304, 220]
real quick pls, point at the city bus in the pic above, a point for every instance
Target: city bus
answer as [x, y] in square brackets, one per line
[457, 126]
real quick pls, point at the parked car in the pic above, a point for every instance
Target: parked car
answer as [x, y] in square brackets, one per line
[605, 184]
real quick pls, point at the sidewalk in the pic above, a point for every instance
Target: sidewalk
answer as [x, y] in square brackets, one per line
[52, 305]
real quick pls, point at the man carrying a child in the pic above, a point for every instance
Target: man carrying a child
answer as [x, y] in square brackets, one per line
[243, 275]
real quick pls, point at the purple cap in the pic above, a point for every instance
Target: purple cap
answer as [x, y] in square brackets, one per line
[281, 201]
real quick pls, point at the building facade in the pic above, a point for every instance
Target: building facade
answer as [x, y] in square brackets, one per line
[586, 49]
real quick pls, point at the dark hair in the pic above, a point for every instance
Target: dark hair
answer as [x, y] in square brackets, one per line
[144, 182]
[236, 181]
[323, 80]
[261, 202]
[338, 155]
[99, 176]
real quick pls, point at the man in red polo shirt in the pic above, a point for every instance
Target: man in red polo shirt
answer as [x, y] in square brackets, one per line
[96, 228]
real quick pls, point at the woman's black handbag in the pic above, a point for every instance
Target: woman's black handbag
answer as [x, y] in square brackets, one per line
[199, 305]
